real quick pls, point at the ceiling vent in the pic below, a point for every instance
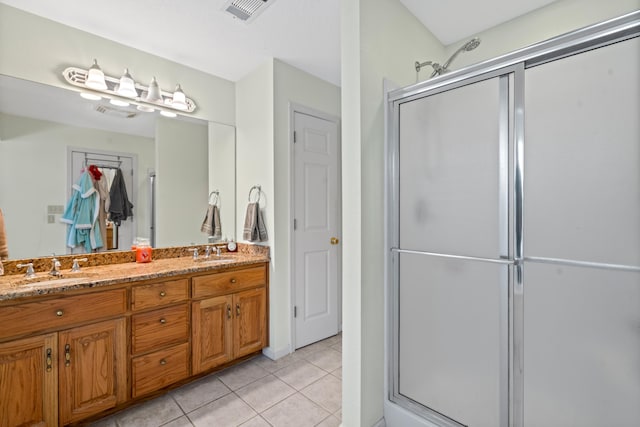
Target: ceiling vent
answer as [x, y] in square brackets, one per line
[246, 10]
[115, 112]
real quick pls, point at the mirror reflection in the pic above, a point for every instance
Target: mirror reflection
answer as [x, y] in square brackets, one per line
[49, 137]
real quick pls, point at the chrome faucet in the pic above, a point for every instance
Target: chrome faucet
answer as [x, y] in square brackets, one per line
[217, 250]
[55, 267]
[30, 273]
[76, 267]
[207, 252]
[195, 253]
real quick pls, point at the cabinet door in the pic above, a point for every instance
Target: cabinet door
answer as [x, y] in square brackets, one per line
[211, 321]
[249, 331]
[29, 382]
[93, 370]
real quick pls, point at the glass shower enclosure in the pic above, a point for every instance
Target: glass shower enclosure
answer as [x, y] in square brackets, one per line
[513, 206]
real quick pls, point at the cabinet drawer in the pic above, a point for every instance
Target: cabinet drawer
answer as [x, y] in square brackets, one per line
[160, 369]
[60, 312]
[229, 281]
[159, 294]
[159, 328]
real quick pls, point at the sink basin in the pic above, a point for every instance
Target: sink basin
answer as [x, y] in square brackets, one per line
[43, 281]
[214, 259]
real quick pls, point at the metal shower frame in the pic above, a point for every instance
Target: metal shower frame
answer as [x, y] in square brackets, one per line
[510, 70]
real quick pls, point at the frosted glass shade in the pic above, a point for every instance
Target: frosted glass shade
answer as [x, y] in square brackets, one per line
[95, 77]
[153, 93]
[127, 85]
[179, 99]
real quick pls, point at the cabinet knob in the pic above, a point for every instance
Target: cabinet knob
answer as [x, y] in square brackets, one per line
[163, 362]
[163, 321]
[163, 294]
[59, 313]
[335, 241]
[233, 280]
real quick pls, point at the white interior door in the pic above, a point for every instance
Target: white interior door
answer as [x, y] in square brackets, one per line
[316, 229]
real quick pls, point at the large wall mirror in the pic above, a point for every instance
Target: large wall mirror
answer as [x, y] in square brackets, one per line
[47, 134]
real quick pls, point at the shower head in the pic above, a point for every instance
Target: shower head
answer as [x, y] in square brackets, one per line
[471, 44]
[467, 47]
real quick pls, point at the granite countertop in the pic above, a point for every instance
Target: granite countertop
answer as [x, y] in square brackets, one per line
[18, 286]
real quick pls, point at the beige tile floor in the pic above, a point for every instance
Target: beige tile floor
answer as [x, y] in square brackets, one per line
[301, 389]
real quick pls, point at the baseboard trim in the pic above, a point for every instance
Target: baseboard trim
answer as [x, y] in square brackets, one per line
[273, 354]
[380, 423]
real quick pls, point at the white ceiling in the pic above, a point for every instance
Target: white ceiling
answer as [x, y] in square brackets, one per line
[453, 20]
[303, 33]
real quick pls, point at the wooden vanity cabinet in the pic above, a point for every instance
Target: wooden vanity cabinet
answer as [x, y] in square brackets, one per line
[29, 381]
[159, 335]
[233, 322]
[67, 375]
[92, 364]
[70, 358]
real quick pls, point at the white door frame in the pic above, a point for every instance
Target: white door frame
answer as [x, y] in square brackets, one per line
[299, 108]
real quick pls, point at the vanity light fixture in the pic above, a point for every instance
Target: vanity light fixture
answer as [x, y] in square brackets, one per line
[125, 91]
[127, 85]
[179, 100]
[95, 78]
[153, 96]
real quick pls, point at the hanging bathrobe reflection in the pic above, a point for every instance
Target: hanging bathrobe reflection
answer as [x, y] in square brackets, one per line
[82, 215]
[120, 207]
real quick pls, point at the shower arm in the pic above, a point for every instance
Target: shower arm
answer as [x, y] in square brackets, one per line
[419, 65]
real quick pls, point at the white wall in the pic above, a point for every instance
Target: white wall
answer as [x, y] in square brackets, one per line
[182, 182]
[38, 49]
[541, 24]
[33, 174]
[222, 174]
[291, 85]
[390, 41]
[264, 158]
[380, 39]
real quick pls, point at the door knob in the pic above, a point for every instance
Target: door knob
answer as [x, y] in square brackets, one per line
[335, 240]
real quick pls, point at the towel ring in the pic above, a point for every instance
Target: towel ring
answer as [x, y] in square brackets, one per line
[258, 188]
[215, 201]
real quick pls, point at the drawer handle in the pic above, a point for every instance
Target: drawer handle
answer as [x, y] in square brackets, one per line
[163, 362]
[59, 313]
[49, 360]
[163, 321]
[238, 310]
[67, 355]
[228, 311]
[233, 280]
[163, 294]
